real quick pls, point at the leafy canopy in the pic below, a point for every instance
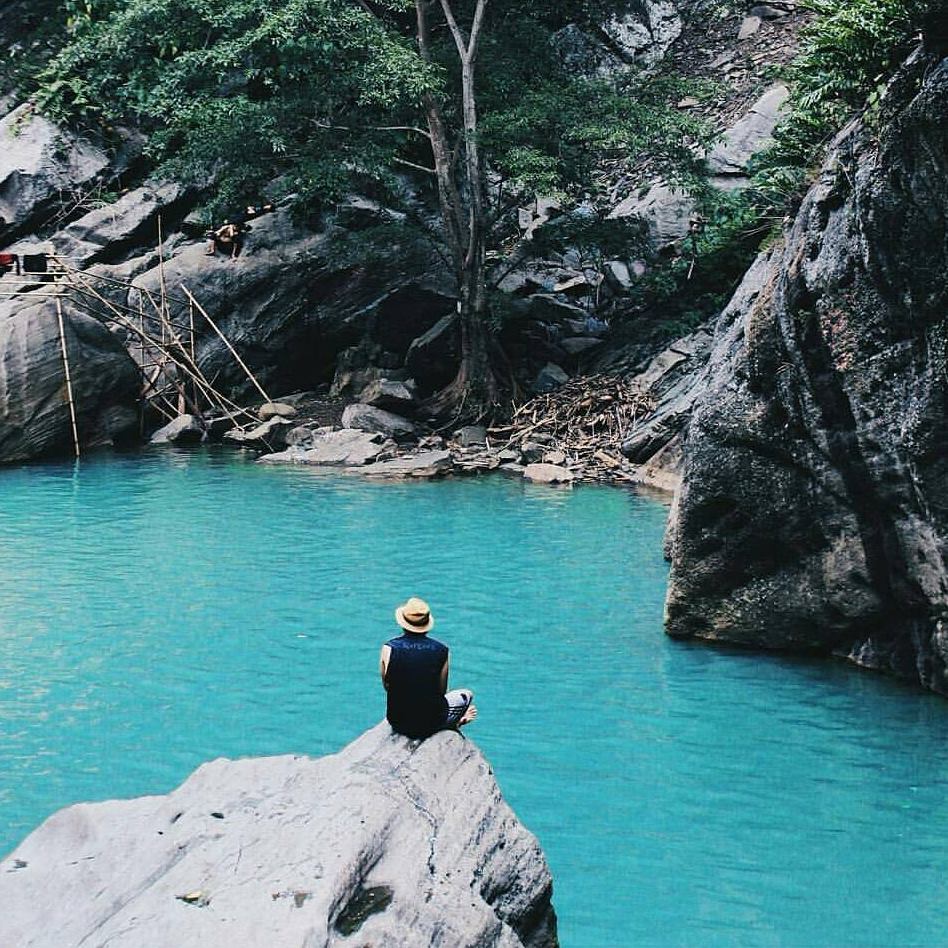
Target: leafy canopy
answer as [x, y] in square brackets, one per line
[327, 95]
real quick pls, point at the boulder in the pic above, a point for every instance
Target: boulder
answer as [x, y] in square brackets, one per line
[548, 474]
[112, 231]
[576, 345]
[268, 436]
[531, 451]
[618, 276]
[666, 210]
[433, 358]
[34, 409]
[369, 418]
[427, 464]
[548, 308]
[471, 436]
[38, 162]
[389, 395]
[728, 161]
[812, 514]
[550, 378]
[675, 378]
[299, 436]
[348, 447]
[270, 410]
[390, 842]
[288, 303]
[638, 38]
[749, 26]
[185, 429]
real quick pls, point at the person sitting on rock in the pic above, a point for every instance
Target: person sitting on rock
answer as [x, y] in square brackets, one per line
[229, 236]
[414, 672]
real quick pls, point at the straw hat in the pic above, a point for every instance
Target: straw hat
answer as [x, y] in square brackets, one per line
[414, 616]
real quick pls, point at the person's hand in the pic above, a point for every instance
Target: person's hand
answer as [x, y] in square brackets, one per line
[468, 716]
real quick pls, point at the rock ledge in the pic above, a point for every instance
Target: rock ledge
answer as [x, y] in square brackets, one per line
[404, 842]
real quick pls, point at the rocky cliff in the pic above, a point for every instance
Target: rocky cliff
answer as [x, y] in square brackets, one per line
[390, 842]
[813, 510]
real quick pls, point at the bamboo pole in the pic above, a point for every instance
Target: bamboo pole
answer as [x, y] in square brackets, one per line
[161, 278]
[72, 404]
[226, 342]
[210, 392]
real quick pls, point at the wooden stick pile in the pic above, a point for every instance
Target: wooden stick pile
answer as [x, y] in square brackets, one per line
[586, 420]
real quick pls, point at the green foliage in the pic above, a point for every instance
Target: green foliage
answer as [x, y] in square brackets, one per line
[848, 54]
[682, 293]
[321, 95]
[557, 132]
[241, 90]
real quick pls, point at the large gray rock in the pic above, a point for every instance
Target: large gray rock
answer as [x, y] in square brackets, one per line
[665, 209]
[389, 395]
[39, 162]
[812, 513]
[109, 233]
[638, 38]
[674, 378]
[368, 418]
[349, 447]
[728, 161]
[426, 464]
[395, 842]
[34, 409]
[289, 303]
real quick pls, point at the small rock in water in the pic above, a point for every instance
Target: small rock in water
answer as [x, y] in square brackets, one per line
[426, 464]
[185, 429]
[268, 435]
[548, 474]
[275, 410]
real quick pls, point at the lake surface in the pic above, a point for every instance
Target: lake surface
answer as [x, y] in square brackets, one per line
[157, 611]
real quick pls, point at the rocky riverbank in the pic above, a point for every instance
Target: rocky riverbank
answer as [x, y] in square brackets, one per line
[393, 841]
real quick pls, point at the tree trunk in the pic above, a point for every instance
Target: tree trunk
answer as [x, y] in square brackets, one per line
[474, 391]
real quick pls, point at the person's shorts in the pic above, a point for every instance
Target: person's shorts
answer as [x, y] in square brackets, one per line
[458, 703]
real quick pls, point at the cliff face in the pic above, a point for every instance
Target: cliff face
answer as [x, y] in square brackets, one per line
[391, 841]
[814, 507]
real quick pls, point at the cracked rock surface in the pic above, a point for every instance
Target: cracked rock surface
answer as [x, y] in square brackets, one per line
[390, 842]
[812, 513]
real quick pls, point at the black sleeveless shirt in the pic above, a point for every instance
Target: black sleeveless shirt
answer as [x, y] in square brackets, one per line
[416, 706]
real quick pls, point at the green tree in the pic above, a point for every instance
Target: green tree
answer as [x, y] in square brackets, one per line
[332, 95]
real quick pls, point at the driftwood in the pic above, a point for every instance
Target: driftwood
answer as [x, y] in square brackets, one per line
[586, 420]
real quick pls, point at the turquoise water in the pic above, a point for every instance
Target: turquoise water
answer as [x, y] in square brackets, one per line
[159, 611]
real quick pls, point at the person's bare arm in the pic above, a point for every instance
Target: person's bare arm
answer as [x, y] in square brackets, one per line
[383, 664]
[444, 676]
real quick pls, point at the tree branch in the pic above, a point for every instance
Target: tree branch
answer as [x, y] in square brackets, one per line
[373, 128]
[459, 39]
[476, 28]
[411, 164]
